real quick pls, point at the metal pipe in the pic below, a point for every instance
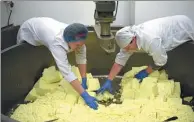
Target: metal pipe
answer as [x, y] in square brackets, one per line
[105, 29]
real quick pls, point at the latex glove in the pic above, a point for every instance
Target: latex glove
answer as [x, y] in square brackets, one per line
[89, 100]
[84, 84]
[107, 86]
[141, 75]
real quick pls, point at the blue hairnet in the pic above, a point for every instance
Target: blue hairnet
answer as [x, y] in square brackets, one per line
[75, 32]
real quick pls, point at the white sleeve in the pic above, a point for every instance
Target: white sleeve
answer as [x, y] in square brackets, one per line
[122, 57]
[60, 56]
[158, 52]
[80, 55]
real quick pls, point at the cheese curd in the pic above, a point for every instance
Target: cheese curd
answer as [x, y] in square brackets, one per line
[153, 100]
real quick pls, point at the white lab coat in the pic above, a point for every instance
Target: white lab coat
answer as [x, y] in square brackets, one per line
[157, 37]
[49, 32]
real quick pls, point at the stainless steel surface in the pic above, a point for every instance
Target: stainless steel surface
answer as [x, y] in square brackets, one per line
[22, 65]
[98, 29]
[7, 119]
[8, 36]
[104, 11]
[107, 43]
[104, 16]
[105, 29]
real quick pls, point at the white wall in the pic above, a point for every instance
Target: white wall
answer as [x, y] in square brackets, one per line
[4, 14]
[65, 11]
[146, 10]
[82, 11]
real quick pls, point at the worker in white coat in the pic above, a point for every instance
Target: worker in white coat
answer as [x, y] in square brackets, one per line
[155, 37]
[60, 39]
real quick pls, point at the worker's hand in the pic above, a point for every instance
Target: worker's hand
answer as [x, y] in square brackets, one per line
[141, 75]
[84, 84]
[107, 86]
[89, 100]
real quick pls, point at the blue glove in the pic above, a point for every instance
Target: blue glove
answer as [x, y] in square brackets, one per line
[106, 86]
[141, 75]
[84, 85]
[89, 100]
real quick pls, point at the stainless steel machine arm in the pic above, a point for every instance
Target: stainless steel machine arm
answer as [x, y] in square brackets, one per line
[104, 15]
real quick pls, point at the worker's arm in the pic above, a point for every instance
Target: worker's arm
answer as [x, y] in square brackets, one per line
[152, 67]
[116, 68]
[77, 86]
[159, 56]
[82, 69]
[80, 55]
[60, 57]
[120, 61]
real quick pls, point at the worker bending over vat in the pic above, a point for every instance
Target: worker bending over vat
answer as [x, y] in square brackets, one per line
[60, 39]
[155, 37]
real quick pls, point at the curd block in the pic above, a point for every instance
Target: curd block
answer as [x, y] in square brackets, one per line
[60, 75]
[57, 95]
[153, 100]
[126, 82]
[128, 94]
[68, 88]
[136, 102]
[160, 99]
[135, 84]
[177, 90]
[174, 101]
[149, 80]
[71, 99]
[32, 95]
[155, 74]
[18, 113]
[42, 92]
[80, 109]
[105, 96]
[40, 80]
[133, 72]
[93, 94]
[93, 84]
[44, 87]
[165, 88]
[81, 101]
[163, 75]
[64, 108]
[128, 85]
[129, 74]
[51, 75]
[159, 80]
[75, 70]
[188, 99]
[89, 76]
[148, 88]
